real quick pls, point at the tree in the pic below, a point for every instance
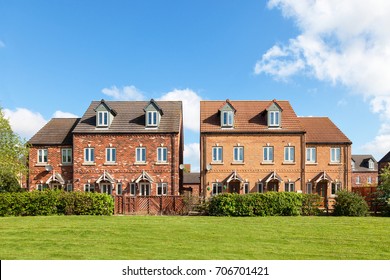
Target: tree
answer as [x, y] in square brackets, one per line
[13, 155]
[383, 194]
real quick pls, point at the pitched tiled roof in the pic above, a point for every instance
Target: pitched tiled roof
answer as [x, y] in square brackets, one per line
[250, 117]
[386, 158]
[55, 132]
[322, 130]
[191, 178]
[361, 163]
[130, 118]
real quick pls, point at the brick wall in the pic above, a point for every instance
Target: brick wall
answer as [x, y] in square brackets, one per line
[364, 179]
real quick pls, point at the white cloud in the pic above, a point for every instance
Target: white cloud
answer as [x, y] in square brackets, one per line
[60, 114]
[343, 42]
[25, 122]
[126, 93]
[191, 106]
[191, 156]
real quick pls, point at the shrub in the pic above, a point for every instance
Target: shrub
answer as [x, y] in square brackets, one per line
[263, 204]
[55, 202]
[311, 204]
[350, 204]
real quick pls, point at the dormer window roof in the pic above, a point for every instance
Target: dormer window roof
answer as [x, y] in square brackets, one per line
[104, 114]
[227, 114]
[274, 115]
[153, 114]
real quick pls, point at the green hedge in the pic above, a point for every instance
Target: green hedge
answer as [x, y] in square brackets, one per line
[44, 203]
[264, 204]
[350, 204]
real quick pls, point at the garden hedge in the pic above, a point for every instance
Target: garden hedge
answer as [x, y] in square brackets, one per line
[263, 204]
[54, 202]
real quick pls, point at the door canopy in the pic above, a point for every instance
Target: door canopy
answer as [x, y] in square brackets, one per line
[106, 177]
[56, 177]
[272, 177]
[144, 177]
[234, 177]
[322, 176]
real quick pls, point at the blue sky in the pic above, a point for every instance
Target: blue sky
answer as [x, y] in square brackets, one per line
[328, 59]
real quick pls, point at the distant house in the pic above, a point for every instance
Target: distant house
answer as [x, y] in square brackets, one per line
[260, 146]
[364, 171]
[191, 184]
[133, 147]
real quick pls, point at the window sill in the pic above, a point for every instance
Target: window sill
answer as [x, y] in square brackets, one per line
[66, 164]
[162, 163]
[140, 163]
[88, 164]
[217, 163]
[110, 163]
[267, 163]
[237, 163]
[311, 163]
[335, 163]
[288, 163]
[41, 164]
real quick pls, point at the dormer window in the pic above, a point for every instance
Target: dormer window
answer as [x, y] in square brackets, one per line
[153, 114]
[103, 118]
[370, 164]
[274, 115]
[227, 115]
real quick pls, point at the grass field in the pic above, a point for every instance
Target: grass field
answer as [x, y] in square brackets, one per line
[176, 238]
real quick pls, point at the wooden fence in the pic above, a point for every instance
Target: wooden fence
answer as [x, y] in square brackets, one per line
[369, 194]
[154, 205]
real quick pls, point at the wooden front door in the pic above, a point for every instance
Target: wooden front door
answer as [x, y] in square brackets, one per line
[322, 189]
[234, 187]
[273, 186]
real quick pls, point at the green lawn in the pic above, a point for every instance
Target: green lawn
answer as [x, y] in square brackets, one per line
[170, 238]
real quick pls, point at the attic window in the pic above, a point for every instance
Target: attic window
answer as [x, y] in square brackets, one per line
[103, 118]
[370, 164]
[274, 118]
[151, 118]
[227, 118]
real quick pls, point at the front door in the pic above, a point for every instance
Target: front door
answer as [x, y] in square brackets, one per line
[144, 189]
[273, 186]
[106, 188]
[234, 187]
[322, 189]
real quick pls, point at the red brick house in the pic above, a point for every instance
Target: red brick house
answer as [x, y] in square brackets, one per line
[259, 146]
[118, 146]
[364, 171]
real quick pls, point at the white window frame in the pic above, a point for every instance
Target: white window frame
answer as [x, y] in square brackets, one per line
[102, 118]
[42, 156]
[110, 155]
[119, 189]
[238, 154]
[335, 155]
[309, 188]
[268, 154]
[357, 180]
[66, 155]
[133, 189]
[217, 154]
[89, 155]
[216, 188]
[311, 155]
[371, 164]
[140, 154]
[69, 187]
[274, 118]
[162, 189]
[260, 187]
[289, 187]
[289, 154]
[246, 188]
[227, 118]
[335, 187]
[89, 187]
[369, 180]
[162, 154]
[106, 188]
[152, 118]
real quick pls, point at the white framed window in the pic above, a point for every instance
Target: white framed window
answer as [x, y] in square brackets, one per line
[162, 188]
[335, 188]
[111, 155]
[89, 187]
[311, 155]
[260, 187]
[289, 187]
[369, 180]
[268, 154]
[227, 118]
[370, 164]
[69, 188]
[335, 155]
[119, 189]
[89, 155]
[309, 188]
[152, 118]
[246, 187]
[133, 189]
[217, 154]
[274, 118]
[42, 156]
[140, 154]
[42, 187]
[217, 188]
[66, 155]
[103, 118]
[238, 154]
[357, 180]
[162, 154]
[289, 154]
